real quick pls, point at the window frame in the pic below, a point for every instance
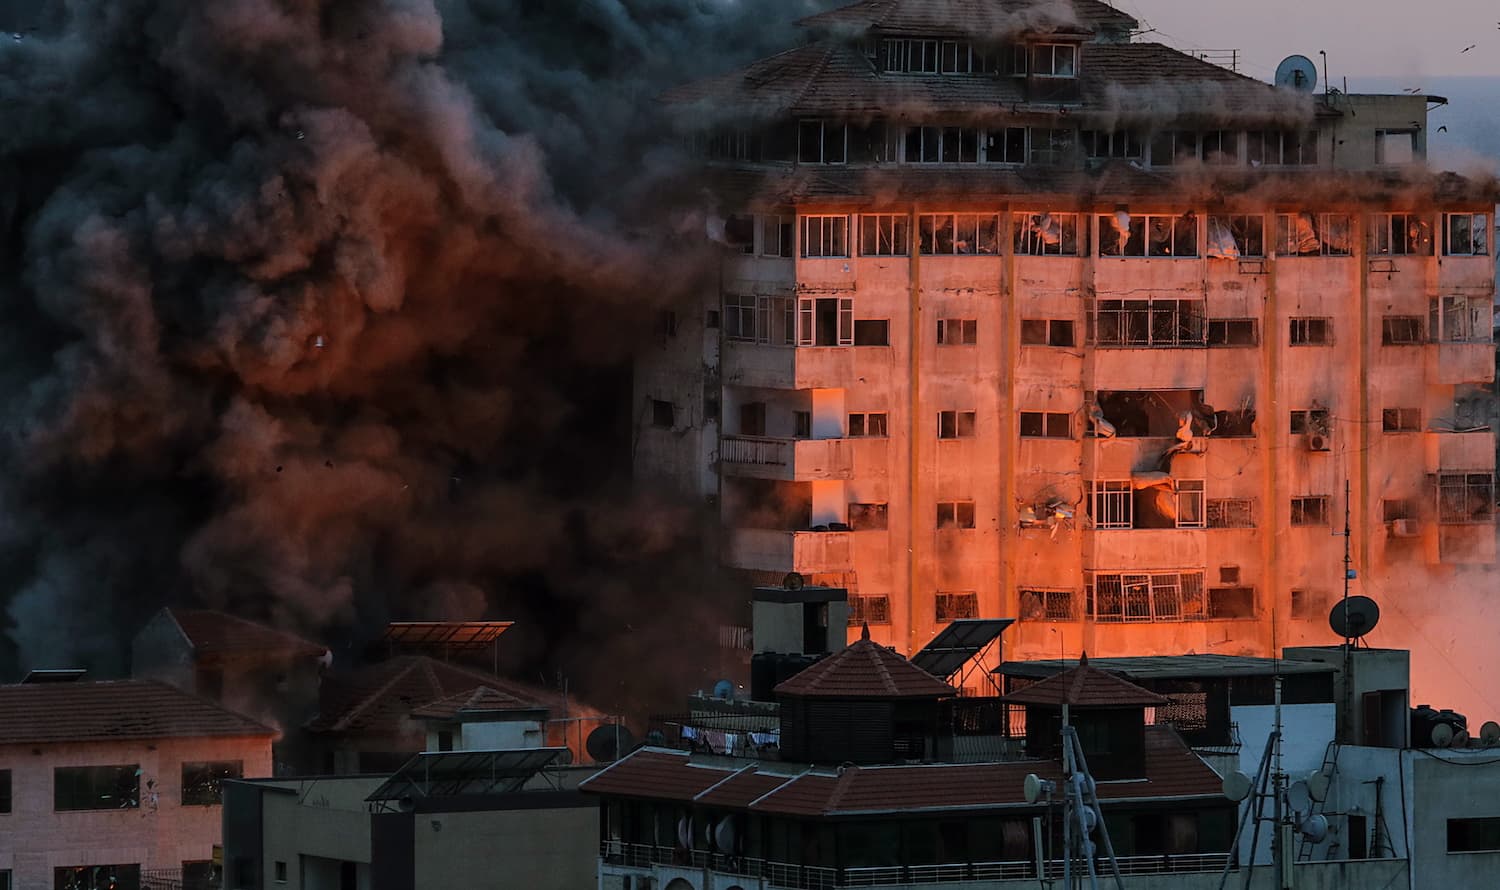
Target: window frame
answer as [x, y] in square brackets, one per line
[1449, 248]
[1300, 517]
[1401, 420]
[784, 227]
[861, 605]
[1225, 325]
[967, 331]
[866, 424]
[929, 232]
[1047, 424]
[1035, 52]
[1246, 231]
[898, 237]
[1142, 596]
[944, 602]
[1111, 504]
[1293, 148]
[1050, 330]
[808, 325]
[1191, 491]
[1309, 421]
[1134, 317]
[126, 875]
[960, 516]
[960, 421]
[1289, 239]
[1030, 234]
[1461, 318]
[1139, 229]
[1044, 604]
[1476, 486]
[96, 782]
[1382, 239]
[6, 783]
[1390, 327]
[841, 153]
[1300, 329]
[1486, 827]
[878, 514]
[832, 236]
[1107, 145]
[1231, 513]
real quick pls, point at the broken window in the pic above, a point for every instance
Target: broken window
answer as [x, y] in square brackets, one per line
[1314, 234]
[1140, 235]
[883, 234]
[1117, 144]
[1144, 596]
[1236, 235]
[1401, 420]
[1047, 332]
[825, 321]
[97, 877]
[776, 235]
[1231, 513]
[202, 783]
[1401, 330]
[955, 424]
[867, 517]
[961, 234]
[867, 609]
[1400, 234]
[822, 142]
[1006, 145]
[957, 331]
[1281, 148]
[1310, 510]
[1461, 319]
[96, 787]
[1047, 604]
[739, 232]
[1392, 509]
[1046, 234]
[1149, 323]
[825, 236]
[1466, 234]
[872, 332]
[1308, 421]
[1231, 602]
[1111, 504]
[1190, 512]
[955, 514]
[956, 606]
[1047, 424]
[1466, 498]
[1053, 60]
[1233, 332]
[1151, 413]
[1395, 146]
[942, 145]
[1049, 145]
[867, 425]
[1311, 331]
[663, 414]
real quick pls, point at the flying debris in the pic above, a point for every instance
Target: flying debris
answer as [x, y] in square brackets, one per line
[1467, 48]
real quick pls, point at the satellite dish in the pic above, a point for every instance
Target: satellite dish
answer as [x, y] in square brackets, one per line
[1489, 733]
[609, 743]
[1034, 787]
[1298, 797]
[1298, 73]
[1317, 787]
[1236, 786]
[792, 581]
[724, 834]
[1355, 617]
[1442, 735]
[1461, 739]
[1314, 828]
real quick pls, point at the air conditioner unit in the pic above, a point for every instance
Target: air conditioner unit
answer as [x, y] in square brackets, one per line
[1406, 528]
[1319, 442]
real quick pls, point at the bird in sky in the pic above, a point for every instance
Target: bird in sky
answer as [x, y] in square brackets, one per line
[1467, 48]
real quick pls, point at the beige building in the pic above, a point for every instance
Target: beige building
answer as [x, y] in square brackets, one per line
[1017, 317]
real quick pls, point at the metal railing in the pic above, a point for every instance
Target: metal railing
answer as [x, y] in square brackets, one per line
[753, 450]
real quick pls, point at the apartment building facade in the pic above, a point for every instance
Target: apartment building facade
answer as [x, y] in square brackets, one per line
[1020, 318]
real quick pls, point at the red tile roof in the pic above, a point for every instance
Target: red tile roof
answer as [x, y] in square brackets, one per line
[743, 788]
[379, 698]
[1086, 687]
[980, 18]
[806, 795]
[93, 711]
[865, 670]
[218, 635]
[657, 774]
[484, 698]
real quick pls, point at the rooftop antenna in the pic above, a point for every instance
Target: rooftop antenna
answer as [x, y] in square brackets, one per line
[1327, 84]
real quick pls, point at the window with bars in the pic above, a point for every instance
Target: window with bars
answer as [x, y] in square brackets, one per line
[1112, 504]
[1466, 498]
[867, 425]
[1046, 425]
[1048, 604]
[1466, 234]
[1128, 597]
[822, 142]
[1399, 234]
[956, 424]
[1231, 512]
[955, 514]
[1401, 420]
[1401, 330]
[957, 331]
[1148, 235]
[825, 236]
[1236, 235]
[1310, 510]
[1047, 332]
[1311, 331]
[1461, 319]
[1314, 234]
[958, 234]
[955, 605]
[1233, 332]
[868, 517]
[883, 234]
[1047, 234]
[1151, 323]
[869, 609]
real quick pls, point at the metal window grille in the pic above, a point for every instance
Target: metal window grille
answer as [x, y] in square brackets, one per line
[869, 610]
[955, 606]
[1465, 498]
[1231, 512]
[1046, 604]
[1112, 505]
[1149, 323]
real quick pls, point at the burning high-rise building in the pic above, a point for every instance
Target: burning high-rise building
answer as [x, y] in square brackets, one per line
[1019, 317]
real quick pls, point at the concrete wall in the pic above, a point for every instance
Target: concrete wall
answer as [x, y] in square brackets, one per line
[312, 825]
[161, 833]
[541, 848]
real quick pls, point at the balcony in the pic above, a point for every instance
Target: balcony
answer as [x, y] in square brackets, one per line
[806, 552]
[1459, 451]
[1460, 362]
[790, 460]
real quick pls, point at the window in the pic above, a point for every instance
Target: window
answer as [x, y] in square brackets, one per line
[883, 234]
[1046, 234]
[1049, 145]
[97, 877]
[869, 610]
[739, 317]
[1141, 235]
[753, 419]
[957, 331]
[1150, 323]
[942, 145]
[867, 425]
[1465, 498]
[1461, 319]
[1053, 60]
[4, 793]
[1474, 835]
[909, 56]
[445, 740]
[1170, 147]
[1046, 424]
[802, 424]
[961, 234]
[959, 57]
[1314, 234]
[1466, 234]
[955, 424]
[1190, 513]
[1120, 144]
[96, 787]
[1044, 604]
[1231, 513]
[724, 145]
[1401, 420]
[1395, 146]
[1233, 332]
[1047, 332]
[822, 142]
[872, 332]
[1392, 509]
[1005, 146]
[1400, 330]
[955, 606]
[1236, 235]
[1280, 147]
[202, 783]
[825, 321]
[1309, 420]
[1221, 147]
[776, 236]
[1231, 602]
[1143, 596]
[1400, 234]
[663, 414]
[1311, 331]
[825, 236]
[955, 514]
[280, 872]
[1111, 504]
[867, 517]
[1310, 510]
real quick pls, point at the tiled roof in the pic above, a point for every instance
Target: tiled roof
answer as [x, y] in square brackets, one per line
[379, 698]
[113, 709]
[221, 635]
[485, 698]
[1149, 82]
[979, 18]
[1086, 686]
[1172, 772]
[864, 670]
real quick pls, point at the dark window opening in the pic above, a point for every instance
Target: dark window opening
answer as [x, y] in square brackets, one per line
[1039, 604]
[1311, 510]
[1401, 420]
[869, 610]
[872, 332]
[1310, 421]
[1233, 332]
[954, 606]
[96, 787]
[1046, 424]
[802, 424]
[1474, 835]
[867, 425]
[1154, 413]
[955, 514]
[753, 419]
[663, 414]
[955, 424]
[4, 792]
[97, 877]
[868, 517]
[203, 783]
[957, 331]
[445, 740]
[1311, 331]
[1231, 602]
[1047, 332]
[1401, 330]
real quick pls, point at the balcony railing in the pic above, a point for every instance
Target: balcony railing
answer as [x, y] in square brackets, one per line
[754, 450]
